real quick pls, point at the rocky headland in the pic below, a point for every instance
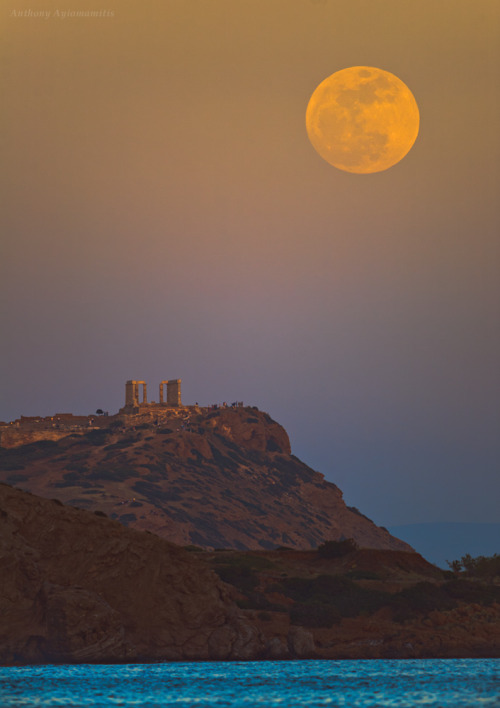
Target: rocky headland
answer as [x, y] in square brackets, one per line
[214, 478]
[77, 587]
[270, 563]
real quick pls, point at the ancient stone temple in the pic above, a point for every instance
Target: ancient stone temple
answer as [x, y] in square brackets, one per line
[132, 393]
[134, 404]
[173, 392]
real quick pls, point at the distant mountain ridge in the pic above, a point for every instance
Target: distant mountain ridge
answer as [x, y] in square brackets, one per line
[214, 478]
[442, 542]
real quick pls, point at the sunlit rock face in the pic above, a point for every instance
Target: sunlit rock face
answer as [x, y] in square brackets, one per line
[215, 478]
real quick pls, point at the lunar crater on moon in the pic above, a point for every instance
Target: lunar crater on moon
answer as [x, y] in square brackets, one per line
[362, 119]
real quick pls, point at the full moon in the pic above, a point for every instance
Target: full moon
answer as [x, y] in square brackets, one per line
[362, 119]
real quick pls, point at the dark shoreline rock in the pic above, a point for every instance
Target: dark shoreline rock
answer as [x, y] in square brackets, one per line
[81, 588]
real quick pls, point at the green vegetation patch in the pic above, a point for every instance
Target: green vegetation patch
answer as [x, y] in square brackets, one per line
[96, 437]
[337, 549]
[246, 560]
[480, 567]
[121, 444]
[420, 599]
[76, 470]
[338, 593]
[79, 482]
[116, 473]
[82, 503]
[242, 571]
[156, 469]
[473, 591]
[16, 458]
[243, 578]
[425, 597]
[286, 470]
[222, 460]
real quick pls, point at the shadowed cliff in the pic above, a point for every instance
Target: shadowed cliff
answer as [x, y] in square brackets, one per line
[77, 587]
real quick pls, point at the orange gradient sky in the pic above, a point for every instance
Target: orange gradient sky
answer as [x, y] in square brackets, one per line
[165, 216]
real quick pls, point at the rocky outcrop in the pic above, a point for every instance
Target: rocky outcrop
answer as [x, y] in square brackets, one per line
[11, 437]
[31, 429]
[365, 604]
[470, 631]
[76, 587]
[222, 478]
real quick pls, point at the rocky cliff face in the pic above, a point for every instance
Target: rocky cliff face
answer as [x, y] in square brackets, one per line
[212, 478]
[76, 587]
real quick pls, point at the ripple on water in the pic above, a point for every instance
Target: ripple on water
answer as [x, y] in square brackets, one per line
[431, 683]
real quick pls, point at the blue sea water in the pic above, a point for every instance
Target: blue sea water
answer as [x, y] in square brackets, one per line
[433, 683]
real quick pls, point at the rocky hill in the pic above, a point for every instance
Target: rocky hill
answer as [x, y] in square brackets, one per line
[77, 587]
[214, 478]
[342, 602]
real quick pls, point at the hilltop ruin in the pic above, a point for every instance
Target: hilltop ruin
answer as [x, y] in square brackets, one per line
[132, 390]
[28, 429]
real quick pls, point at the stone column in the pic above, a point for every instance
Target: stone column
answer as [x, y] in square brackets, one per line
[161, 393]
[131, 394]
[144, 393]
[174, 392]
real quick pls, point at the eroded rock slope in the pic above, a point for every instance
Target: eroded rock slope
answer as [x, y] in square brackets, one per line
[76, 587]
[221, 478]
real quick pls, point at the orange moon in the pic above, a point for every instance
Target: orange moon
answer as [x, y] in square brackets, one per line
[362, 119]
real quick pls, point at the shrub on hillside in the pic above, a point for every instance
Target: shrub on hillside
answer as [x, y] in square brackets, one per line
[97, 437]
[117, 473]
[337, 549]
[472, 591]
[243, 578]
[420, 599]
[479, 567]
[76, 469]
[341, 593]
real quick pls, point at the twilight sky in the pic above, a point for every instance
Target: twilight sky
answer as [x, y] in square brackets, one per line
[165, 216]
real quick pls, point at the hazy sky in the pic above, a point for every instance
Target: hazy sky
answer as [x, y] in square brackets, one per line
[165, 216]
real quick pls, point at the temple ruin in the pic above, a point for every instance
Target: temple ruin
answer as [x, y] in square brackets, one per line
[133, 404]
[173, 392]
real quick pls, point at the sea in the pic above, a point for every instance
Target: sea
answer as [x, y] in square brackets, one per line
[433, 683]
